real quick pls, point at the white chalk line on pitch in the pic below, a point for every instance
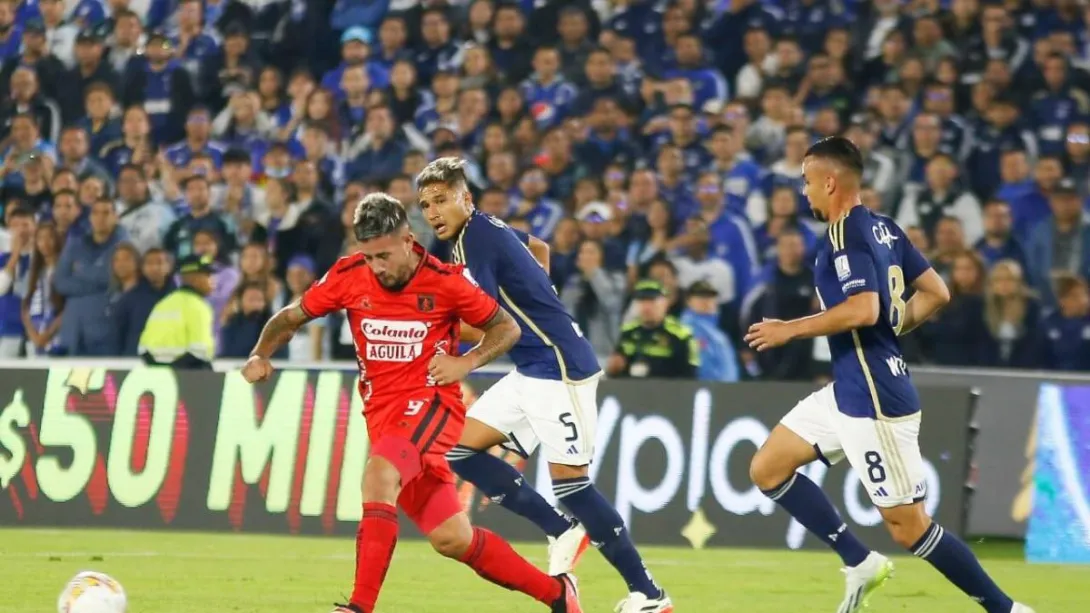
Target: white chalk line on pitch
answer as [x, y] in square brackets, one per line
[333, 557]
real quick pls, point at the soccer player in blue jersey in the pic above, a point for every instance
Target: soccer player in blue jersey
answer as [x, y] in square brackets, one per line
[548, 400]
[870, 414]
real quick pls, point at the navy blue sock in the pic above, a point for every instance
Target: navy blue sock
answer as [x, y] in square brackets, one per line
[506, 486]
[956, 562]
[805, 501]
[607, 532]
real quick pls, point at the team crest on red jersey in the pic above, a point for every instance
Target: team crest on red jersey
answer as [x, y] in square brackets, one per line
[365, 303]
[425, 303]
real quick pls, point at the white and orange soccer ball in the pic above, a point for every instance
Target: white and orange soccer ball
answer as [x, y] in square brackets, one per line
[91, 592]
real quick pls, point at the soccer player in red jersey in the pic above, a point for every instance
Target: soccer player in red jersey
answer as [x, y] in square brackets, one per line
[405, 308]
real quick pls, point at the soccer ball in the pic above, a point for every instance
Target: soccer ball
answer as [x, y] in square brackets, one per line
[91, 592]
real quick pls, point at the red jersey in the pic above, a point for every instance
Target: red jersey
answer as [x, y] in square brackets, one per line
[396, 333]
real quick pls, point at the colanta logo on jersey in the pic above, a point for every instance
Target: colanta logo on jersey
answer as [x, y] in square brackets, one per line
[394, 341]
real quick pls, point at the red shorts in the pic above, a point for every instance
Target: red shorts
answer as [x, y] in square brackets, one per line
[416, 444]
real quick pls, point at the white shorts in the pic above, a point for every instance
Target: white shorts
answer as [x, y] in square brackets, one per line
[886, 454]
[561, 417]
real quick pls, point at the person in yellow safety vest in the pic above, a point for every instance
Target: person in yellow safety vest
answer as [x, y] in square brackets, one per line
[179, 330]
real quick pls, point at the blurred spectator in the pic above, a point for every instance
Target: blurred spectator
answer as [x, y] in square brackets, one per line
[563, 250]
[786, 291]
[145, 220]
[656, 245]
[190, 343]
[1012, 315]
[224, 276]
[242, 329]
[131, 310]
[595, 297]
[663, 272]
[66, 213]
[740, 177]
[783, 211]
[14, 273]
[308, 344]
[654, 345]
[42, 306]
[255, 268]
[958, 335]
[162, 85]
[949, 242]
[941, 196]
[999, 242]
[1059, 243]
[694, 262]
[200, 216]
[1067, 329]
[124, 278]
[718, 360]
[83, 276]
[74, 153]
[26, 98]
[90, 67]
[531, 204]
[1077, 155]
[198, 140]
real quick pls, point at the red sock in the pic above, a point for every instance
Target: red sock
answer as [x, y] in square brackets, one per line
[492, 558]
[375, 541]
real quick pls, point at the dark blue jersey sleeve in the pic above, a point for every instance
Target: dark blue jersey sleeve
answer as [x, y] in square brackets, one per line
[476, 250]
[852, 258]
[913, 263]
[524, 237]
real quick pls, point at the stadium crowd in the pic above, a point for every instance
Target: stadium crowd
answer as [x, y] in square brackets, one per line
[655, 145]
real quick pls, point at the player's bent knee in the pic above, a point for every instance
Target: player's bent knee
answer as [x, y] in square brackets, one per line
[766, 471]
[453, 537]
[779, 457]
[906, 523]
[563, 471]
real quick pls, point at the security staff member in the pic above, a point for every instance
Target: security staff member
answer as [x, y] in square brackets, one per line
[179, 330]
[654, 345]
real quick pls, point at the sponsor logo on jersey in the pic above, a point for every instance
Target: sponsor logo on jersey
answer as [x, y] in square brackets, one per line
[883, 235]
[854, 283]
[897, 366]
[388, 352]
[394, 341]
[388, 331]
[843, 269]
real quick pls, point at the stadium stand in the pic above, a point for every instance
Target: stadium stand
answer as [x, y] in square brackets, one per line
[644, 140]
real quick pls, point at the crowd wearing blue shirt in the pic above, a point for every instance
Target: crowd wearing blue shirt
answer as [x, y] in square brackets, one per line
[668, 134]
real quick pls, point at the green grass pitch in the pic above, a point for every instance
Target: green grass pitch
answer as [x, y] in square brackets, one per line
[172, 572]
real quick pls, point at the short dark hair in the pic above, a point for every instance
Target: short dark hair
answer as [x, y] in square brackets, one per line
[839, 150]
[66, 192]
[1066, 282]
[137, 168]
[449, 171]
[378, 214]
[21, 210]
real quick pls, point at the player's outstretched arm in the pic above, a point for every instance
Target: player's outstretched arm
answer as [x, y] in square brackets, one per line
[276, 333]
[857, 311]
[931, 295]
